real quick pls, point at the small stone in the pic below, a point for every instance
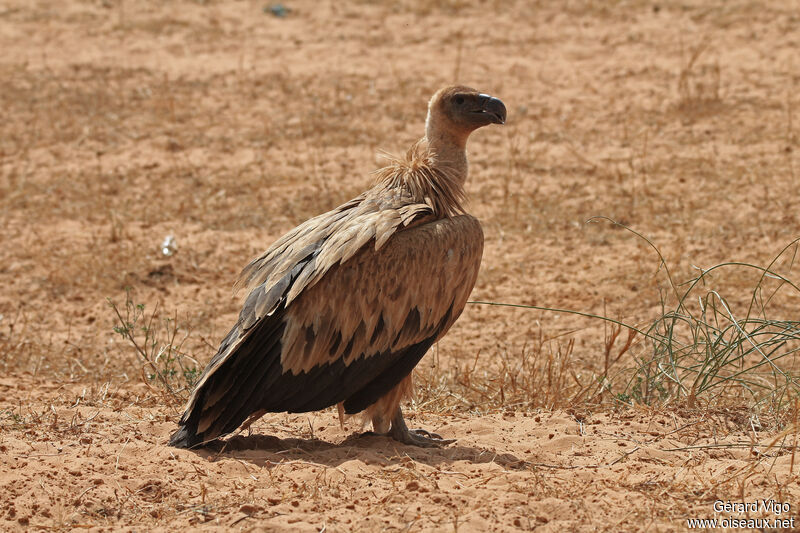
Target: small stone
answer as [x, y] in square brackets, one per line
[277, 10]
[249, 509]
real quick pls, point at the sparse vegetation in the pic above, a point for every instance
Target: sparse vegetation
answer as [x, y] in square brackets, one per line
[708, 355]
[713, 354]
[158, 341]
[699, 84]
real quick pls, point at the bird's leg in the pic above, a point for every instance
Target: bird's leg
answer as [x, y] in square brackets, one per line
[417, 437]
[380, 424]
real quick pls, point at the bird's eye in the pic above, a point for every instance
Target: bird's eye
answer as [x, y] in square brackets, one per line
[459, 100]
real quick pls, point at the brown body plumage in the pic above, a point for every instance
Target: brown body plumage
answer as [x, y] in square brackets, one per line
[343, 307]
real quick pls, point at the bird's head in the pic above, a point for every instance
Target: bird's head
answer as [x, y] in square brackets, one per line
[455, 112]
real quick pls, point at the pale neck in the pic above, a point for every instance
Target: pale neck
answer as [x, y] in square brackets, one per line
[448, 149]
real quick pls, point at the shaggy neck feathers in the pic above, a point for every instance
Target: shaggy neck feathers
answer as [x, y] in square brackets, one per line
[428, 178]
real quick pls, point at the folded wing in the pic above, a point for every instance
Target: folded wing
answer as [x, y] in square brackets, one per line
[338, 323]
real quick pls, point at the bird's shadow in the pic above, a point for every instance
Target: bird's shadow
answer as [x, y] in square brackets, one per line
[269, 451]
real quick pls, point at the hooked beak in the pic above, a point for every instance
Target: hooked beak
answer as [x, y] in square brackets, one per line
[494, 108]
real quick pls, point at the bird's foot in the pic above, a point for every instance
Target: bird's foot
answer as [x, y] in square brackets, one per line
[420, 437]
[415, 437]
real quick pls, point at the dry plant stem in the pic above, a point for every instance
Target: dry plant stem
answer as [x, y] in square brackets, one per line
[139, 350]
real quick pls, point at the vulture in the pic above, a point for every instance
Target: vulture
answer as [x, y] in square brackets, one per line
[343, 307]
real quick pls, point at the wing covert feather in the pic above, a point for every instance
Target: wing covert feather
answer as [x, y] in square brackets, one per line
[359, 307]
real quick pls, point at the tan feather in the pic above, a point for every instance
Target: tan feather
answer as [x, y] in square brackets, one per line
[375, 284]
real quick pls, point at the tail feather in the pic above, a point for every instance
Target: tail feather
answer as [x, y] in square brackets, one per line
[231, 394]
[186, 436]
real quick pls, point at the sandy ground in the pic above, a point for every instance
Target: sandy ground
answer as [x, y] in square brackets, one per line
[98, 459]
[224, 125]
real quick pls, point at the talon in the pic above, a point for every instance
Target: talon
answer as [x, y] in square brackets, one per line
[426, 433]
[432, 437]
[415, 437]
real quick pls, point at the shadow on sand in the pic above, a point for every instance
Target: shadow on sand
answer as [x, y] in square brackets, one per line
[268, 451]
